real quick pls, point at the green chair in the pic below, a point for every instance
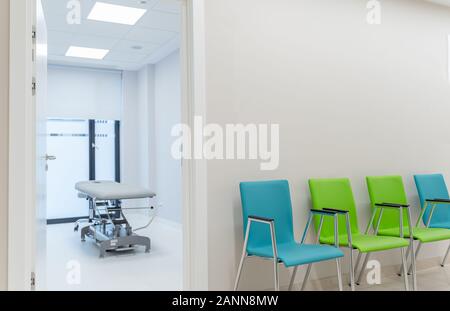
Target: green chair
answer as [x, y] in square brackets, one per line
[389, 191]
[336, 195]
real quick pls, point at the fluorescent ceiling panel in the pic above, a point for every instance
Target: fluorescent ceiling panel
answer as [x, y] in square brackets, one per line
[82, 52]
[119, 14]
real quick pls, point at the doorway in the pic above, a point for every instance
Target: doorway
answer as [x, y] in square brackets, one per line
[105, 117]
[133, 80]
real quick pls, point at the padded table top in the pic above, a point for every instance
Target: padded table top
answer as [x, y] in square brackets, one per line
[110, 190]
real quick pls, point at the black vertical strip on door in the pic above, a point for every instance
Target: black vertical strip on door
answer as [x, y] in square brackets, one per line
[91, 149]
[117, 158]
[117, 150]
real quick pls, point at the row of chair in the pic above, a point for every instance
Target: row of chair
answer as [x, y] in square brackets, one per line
[269, 230]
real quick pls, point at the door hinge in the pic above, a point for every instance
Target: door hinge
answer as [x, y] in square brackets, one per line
[33, 281]
[34, 33]
[33, 39]
[33, 86]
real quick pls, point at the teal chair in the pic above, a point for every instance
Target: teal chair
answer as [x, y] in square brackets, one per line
[269, 230]
[435, 203]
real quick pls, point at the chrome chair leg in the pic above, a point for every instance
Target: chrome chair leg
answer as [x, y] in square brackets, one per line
[244, 255]
[339, 273]
[276, 277]
[413, 268]
[445, 257]
[408, 251]
[363, 267]
[305, 280]
[291, 283]
[415, 257]
[238, 277]
[358, 260]
[413, 254]
[352, 271]
[405, 274]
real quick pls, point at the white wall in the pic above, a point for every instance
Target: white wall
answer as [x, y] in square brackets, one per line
[84, 93]
[152, 106]
[351, 99]
[4, 116]
[134, 130]
[167, 114]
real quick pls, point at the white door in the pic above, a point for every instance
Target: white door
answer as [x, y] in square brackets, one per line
[40, 245]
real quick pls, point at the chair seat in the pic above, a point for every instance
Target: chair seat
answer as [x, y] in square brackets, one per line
[368, 243]
[294, 254]
[424, 235]
[440, 225]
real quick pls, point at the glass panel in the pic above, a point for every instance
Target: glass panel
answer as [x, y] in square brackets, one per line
[68, 141]
[105, 140]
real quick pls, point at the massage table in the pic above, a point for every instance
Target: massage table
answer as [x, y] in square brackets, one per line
[108, 226]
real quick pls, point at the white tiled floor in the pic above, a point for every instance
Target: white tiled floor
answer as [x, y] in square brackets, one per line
[161, 269]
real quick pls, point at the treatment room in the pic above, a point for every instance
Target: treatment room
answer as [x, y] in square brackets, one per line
[113, 189]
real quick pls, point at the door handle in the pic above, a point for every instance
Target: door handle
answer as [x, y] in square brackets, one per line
[49, 158]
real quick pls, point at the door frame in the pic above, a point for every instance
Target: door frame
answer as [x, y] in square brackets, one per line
[22, 153]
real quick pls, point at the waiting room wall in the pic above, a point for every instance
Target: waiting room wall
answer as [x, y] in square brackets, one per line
[352, 100]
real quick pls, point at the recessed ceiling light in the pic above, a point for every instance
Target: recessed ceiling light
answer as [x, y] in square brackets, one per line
[112, 13]
[82, 52]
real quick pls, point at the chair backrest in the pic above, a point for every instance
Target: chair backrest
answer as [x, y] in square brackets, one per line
[333, 193]
[269, 199]
[432, 186]
[387, 189]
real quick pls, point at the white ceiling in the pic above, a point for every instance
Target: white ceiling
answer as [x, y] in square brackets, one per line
[157, 33]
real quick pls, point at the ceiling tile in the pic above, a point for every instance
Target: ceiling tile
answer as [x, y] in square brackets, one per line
[88, 27]
[59, 37]
[150, 35]
[133, 57]
[94, 41]
[168, 6]
[58, 49]
[156, 33]
[148, 4]
[161, 20]
[128, 45]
